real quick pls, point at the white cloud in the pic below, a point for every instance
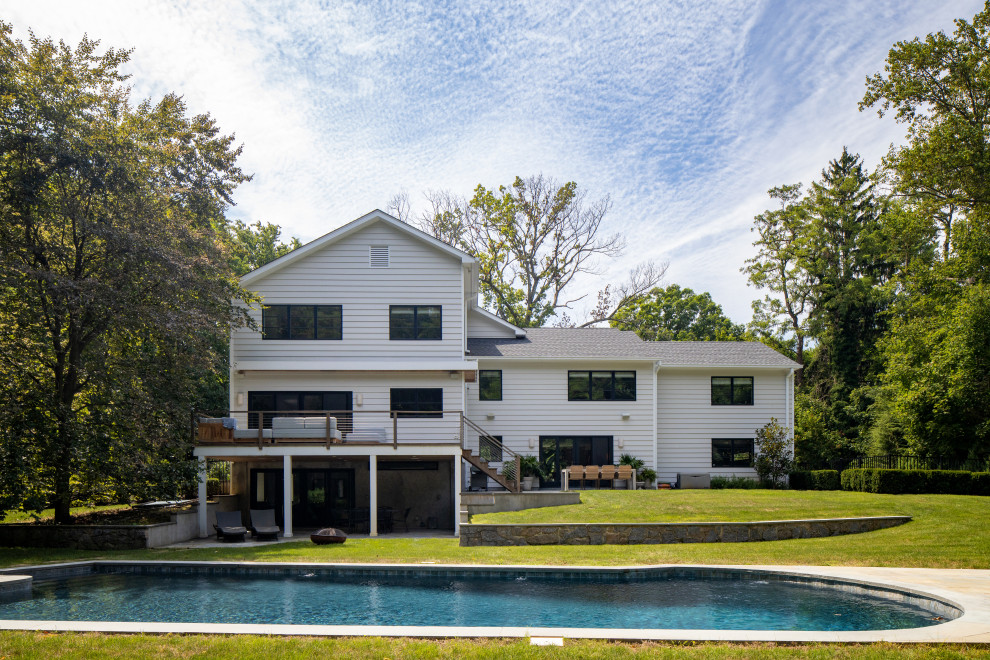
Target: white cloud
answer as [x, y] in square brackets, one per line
[686, 113]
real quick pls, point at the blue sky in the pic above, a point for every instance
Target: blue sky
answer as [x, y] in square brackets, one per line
[684, 112]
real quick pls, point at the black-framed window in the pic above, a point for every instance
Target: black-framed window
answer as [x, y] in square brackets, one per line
[287, 404]
[732, 390]
[732, 452]
[490, 385]
[601, 385]
[302, 322]
[417, 401]
[415, 322]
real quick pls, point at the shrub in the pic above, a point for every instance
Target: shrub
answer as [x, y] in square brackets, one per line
[815, 480]
[734, 482]
[952, 482]
[774, 458]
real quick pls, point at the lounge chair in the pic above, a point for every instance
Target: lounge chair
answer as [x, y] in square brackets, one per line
[229, 526]
[263, 524]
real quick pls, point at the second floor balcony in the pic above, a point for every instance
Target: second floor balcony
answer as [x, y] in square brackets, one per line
[330, 427]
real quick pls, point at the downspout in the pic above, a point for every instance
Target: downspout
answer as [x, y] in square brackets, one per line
[656, 429]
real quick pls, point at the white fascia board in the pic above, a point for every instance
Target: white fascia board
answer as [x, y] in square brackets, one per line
[346, 230]
[356, 365]
[562, 359]
[667, 365]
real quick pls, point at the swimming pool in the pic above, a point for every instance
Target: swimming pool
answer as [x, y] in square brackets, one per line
[668, 598]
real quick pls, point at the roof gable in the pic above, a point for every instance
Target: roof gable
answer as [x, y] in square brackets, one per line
[349, 229]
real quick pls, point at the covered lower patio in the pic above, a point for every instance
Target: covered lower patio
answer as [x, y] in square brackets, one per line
[409, 488]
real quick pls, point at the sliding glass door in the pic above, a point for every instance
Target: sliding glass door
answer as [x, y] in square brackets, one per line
[560, 451]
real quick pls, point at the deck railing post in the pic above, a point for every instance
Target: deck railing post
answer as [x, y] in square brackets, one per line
[261, 428]
[463, 444]
[518, 475]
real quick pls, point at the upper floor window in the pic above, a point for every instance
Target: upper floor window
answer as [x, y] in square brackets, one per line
[414, 322]
[601, 385]
[490, 385]
[301, 322]
[417, 401]
[732, 391]
[732, 452]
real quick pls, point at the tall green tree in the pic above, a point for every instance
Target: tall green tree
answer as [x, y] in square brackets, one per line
[844, 255]
[113, 285]
[252, 246]
[533, 240]
[676, 314]
[781, 318]
[937, 360]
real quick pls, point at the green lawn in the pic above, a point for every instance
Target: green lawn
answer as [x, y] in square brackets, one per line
[727, 505]
[89, 645]
[948, 531]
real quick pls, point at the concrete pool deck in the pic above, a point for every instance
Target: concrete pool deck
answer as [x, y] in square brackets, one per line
[967, 589]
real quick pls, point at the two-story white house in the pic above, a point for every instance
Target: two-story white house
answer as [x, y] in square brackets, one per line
[373, 381]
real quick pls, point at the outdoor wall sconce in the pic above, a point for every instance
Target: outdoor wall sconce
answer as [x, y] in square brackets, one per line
[621, 443]
[358, 399]
[240, 398]
[532, 443]
[490, 416]
[625, 415]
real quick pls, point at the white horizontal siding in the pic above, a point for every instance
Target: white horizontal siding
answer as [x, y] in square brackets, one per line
[374, 389]
[687, 421]
[340, 274]
[534, 403]
[480, 325]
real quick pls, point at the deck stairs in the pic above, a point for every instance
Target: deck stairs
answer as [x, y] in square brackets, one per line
[511, 485]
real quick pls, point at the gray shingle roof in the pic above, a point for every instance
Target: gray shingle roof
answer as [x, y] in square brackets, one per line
[623, 344]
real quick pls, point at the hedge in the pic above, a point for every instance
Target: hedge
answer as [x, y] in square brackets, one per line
[953, 482]
[815, 480]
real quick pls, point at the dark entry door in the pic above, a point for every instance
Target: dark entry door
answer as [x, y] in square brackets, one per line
[560, 451]
[266, 491]
[320, 497]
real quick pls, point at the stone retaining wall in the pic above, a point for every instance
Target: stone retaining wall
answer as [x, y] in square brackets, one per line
[644, 533]
[81, 537]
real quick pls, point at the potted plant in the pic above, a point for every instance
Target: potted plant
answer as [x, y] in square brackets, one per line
[649, 476]
[530, 468]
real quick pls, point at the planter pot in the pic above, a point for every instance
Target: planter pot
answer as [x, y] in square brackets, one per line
[528, 483]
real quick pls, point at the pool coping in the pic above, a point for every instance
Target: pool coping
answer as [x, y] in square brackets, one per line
[965, 589]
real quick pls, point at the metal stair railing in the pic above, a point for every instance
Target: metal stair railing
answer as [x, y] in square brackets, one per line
[510, 467]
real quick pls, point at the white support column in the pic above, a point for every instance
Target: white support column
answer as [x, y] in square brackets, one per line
[373, 495]
[287, 496]
[203, 508]
[458, 482]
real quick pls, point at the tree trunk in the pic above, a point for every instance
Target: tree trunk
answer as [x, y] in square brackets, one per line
[799, 353]
[62, 500]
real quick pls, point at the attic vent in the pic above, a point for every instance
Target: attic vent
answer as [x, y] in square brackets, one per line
[378, 256]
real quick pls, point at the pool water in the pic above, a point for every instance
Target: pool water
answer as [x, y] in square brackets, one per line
[525, 601]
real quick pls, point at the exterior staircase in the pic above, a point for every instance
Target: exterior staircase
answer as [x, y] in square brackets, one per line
[512, 485]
